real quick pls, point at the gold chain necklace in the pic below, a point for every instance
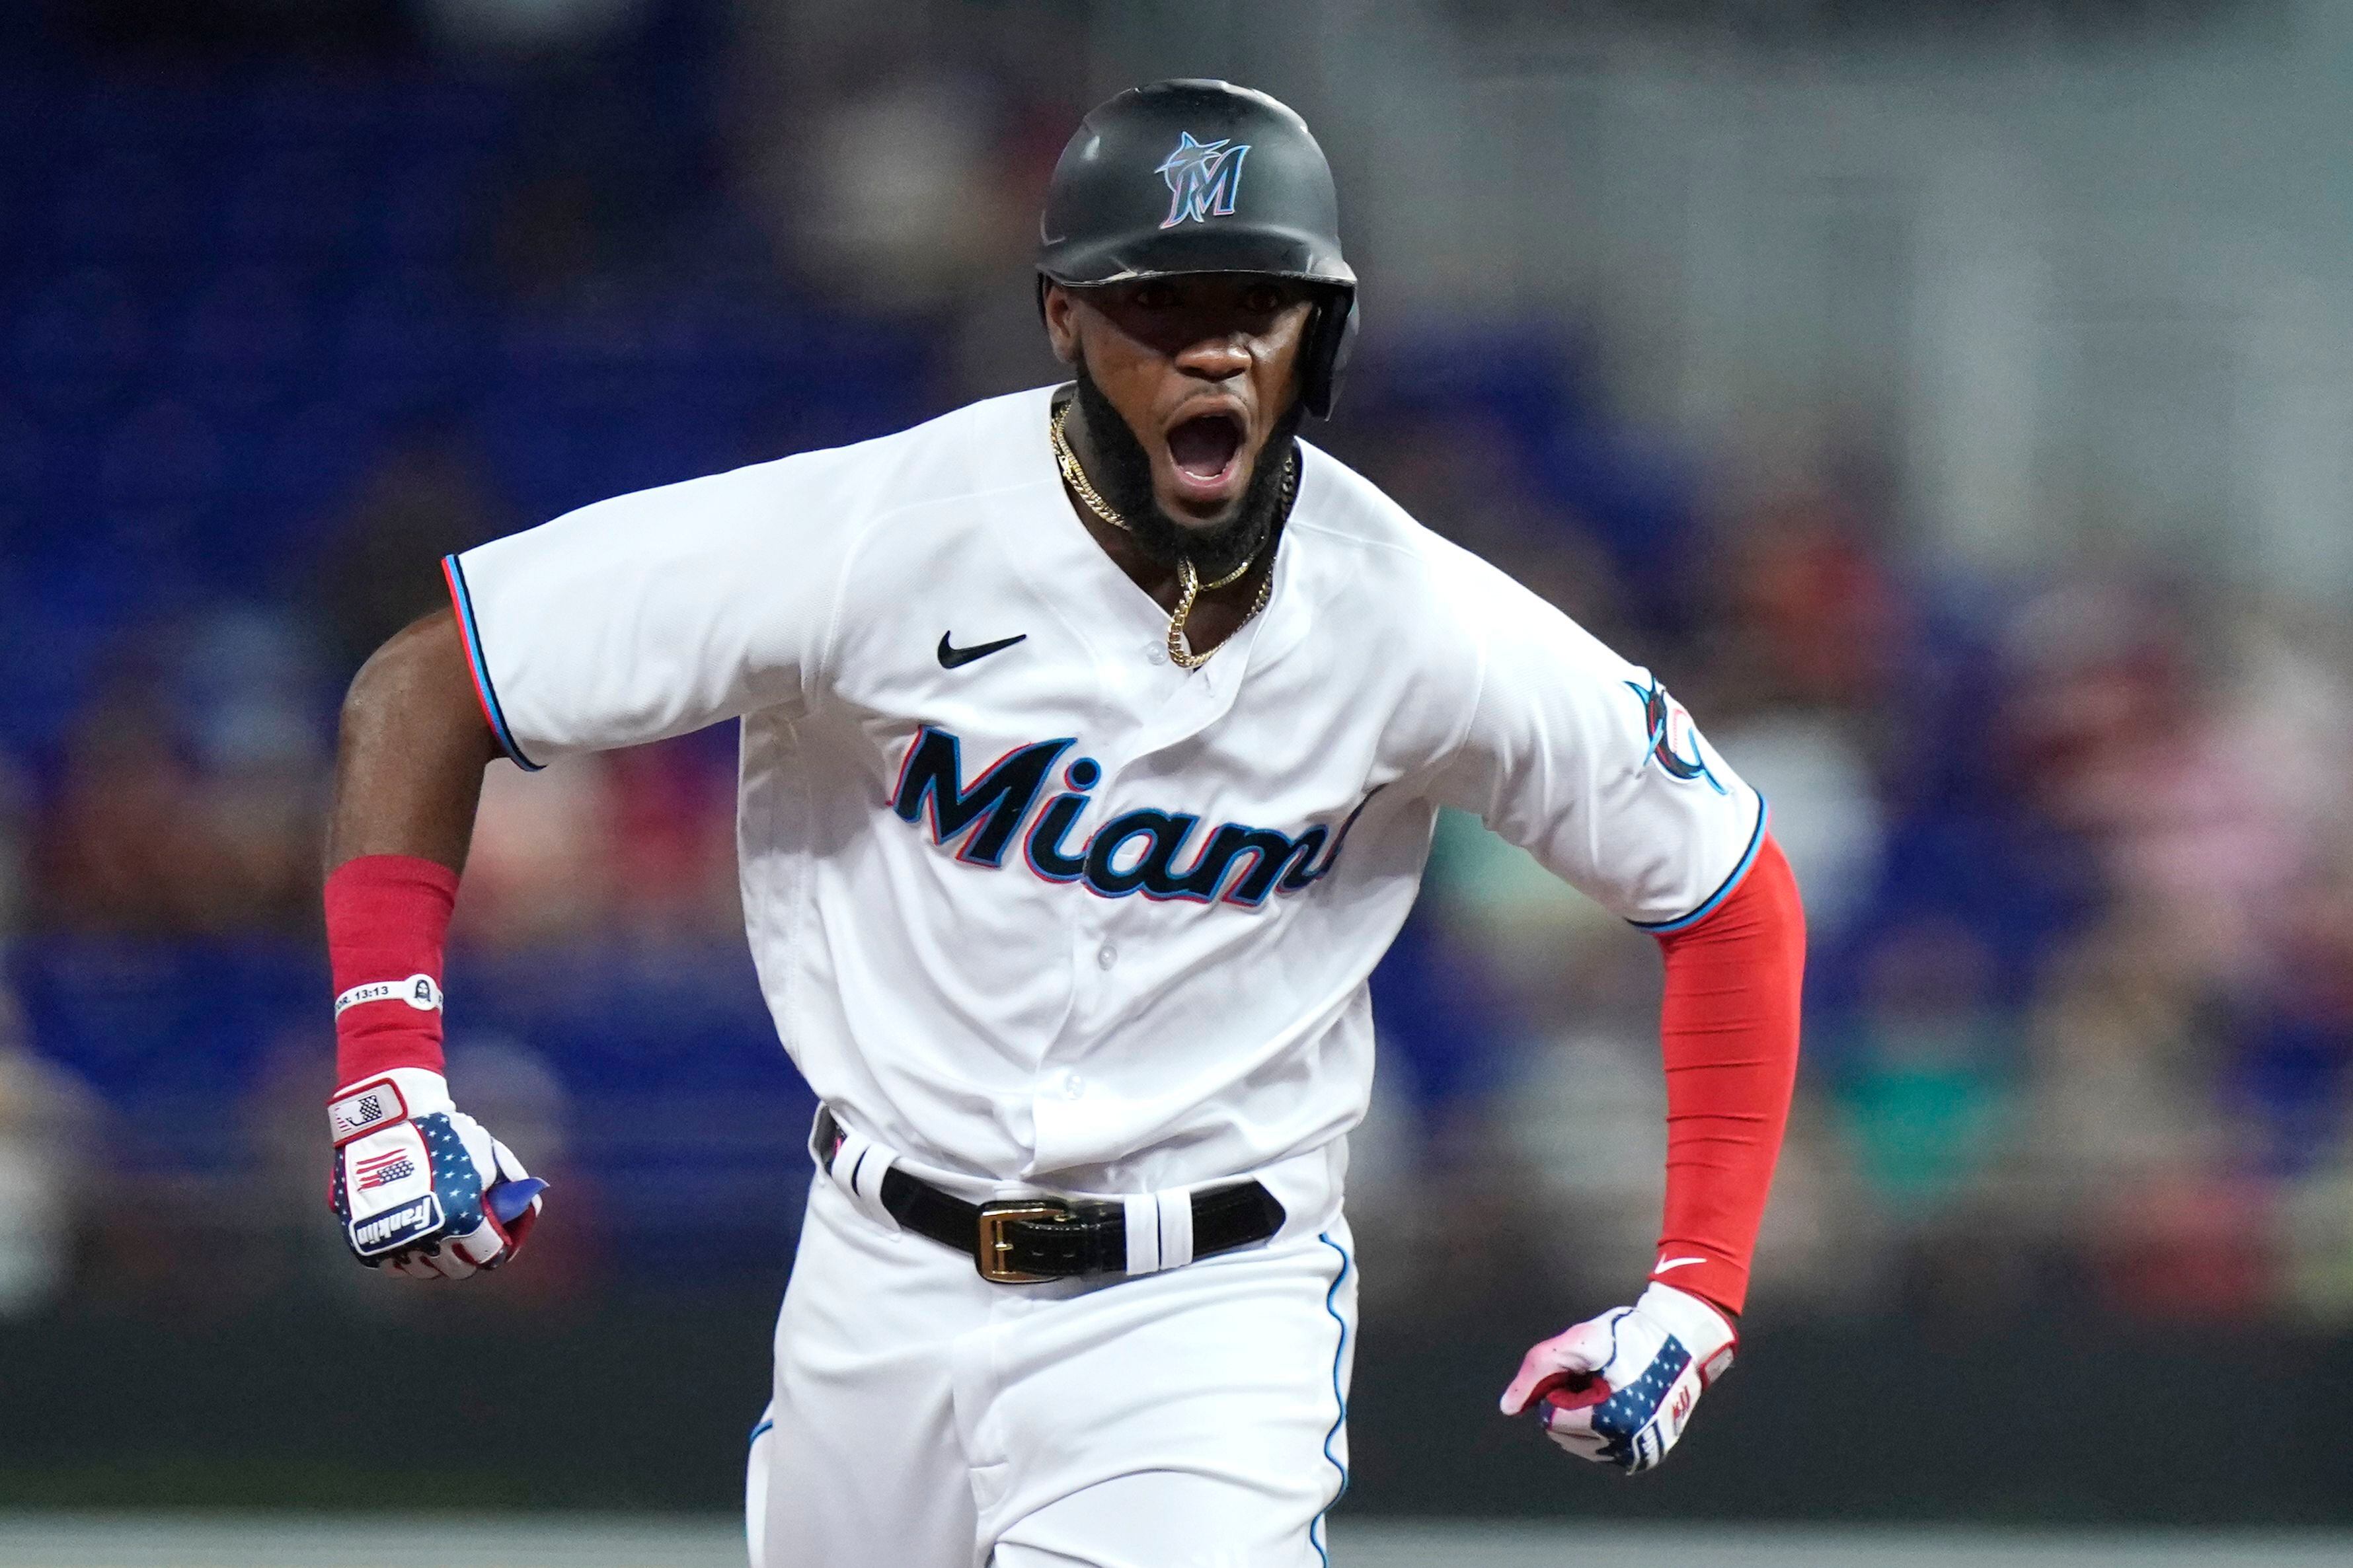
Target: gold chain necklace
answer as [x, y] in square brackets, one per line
[1188, 582]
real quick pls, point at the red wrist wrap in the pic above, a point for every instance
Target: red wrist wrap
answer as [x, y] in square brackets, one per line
[1729, 1032]
[387, 917]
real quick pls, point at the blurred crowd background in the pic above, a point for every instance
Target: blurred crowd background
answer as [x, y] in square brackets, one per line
[1950, 401]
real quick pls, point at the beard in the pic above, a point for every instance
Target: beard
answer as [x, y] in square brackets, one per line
[1124, 478]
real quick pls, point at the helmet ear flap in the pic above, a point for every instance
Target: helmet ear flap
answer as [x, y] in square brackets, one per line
[1325, 349]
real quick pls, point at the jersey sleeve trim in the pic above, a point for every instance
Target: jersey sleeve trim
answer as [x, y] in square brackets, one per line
[484, 692]
[1731, 884]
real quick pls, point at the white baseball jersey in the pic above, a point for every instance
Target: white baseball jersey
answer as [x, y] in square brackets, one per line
[1029, 902]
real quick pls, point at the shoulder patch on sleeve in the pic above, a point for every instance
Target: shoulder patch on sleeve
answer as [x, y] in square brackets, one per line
[1673, 739]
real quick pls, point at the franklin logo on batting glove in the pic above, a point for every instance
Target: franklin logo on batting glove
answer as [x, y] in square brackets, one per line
[1617, 1389]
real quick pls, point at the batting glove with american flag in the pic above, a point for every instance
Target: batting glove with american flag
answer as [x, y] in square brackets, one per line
[418, 1185]
[1617, 1389]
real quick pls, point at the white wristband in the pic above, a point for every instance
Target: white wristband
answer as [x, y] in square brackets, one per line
[418, 991]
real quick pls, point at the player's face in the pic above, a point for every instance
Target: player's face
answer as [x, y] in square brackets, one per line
[1202, 369]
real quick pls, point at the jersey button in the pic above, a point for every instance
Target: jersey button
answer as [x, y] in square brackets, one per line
[1073, 1087]
[1107, 956]
[1155, 653]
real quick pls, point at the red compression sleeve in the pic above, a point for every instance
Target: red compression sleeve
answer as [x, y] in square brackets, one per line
[1729, 1031]
[387, 915]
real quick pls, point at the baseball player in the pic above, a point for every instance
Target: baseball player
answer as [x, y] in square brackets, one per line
[1093, 739]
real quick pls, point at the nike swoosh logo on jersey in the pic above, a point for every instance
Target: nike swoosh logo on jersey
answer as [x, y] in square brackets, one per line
[954, 657]
[1667, 1263]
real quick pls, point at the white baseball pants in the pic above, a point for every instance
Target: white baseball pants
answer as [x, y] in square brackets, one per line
[924, 1417]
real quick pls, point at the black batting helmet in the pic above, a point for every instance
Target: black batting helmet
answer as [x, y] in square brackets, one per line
[1203, 176]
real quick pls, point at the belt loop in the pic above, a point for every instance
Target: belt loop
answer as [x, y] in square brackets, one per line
[857, 1168]
[1175, 1206]
[1143, 1232]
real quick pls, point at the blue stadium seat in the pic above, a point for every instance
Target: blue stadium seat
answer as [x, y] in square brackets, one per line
[406, 340]
[301, 461]
[79, 344]
[419, 212]
[167, 451]
[245, 342]
[131, 206]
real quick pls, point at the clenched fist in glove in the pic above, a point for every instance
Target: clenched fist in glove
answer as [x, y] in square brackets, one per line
[1617, 1389]
[418, 1185]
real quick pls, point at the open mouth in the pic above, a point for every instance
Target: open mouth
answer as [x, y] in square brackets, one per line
[1204, 448]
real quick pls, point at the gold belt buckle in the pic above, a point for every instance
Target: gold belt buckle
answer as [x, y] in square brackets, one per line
[996, 1248]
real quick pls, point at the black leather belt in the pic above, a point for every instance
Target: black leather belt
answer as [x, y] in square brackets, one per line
[1020, 1241]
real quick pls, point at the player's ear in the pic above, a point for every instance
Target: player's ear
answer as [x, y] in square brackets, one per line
[1056, 305]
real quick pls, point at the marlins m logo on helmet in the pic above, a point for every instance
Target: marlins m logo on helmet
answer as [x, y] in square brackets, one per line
[1203, 179]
